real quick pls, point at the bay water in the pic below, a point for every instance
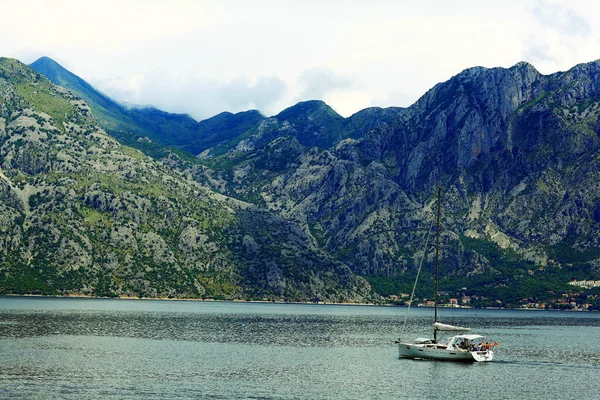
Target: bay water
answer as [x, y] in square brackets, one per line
[75, 348]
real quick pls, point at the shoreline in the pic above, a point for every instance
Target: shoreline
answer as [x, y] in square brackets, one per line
[83, 296]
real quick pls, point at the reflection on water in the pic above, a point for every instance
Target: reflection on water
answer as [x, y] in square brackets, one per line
[99, 349]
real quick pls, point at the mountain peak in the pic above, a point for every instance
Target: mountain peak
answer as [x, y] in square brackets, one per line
[479, 71]
[58, 74]
[45, 60]
[47, 66]
[524, 66]
[312, 108]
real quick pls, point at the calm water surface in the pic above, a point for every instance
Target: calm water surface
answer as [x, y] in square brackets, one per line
[136, 349]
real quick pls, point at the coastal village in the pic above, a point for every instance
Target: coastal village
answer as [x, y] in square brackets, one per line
[582, 297]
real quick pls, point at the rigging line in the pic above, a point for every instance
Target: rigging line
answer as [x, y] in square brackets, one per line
[416, 279]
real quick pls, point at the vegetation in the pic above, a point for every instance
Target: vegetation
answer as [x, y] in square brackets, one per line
[122, 223]
[84, 214]
[512, 282]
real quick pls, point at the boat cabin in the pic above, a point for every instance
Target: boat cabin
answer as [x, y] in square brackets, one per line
[467, 342]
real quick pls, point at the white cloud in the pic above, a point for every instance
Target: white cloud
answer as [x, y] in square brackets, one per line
[561, 18]
[198, 98]
[561, 34]
[203, 57]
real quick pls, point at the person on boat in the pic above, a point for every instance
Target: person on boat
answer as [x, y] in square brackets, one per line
[487, 346]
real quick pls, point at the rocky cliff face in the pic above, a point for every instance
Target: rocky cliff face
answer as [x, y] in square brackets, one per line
[516, 153]
[81, 213]
[311, 123]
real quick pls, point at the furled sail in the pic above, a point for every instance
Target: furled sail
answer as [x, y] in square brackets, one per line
[444, 327]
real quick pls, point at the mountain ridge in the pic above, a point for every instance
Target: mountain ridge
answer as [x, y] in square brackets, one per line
[84, 214]
[129, 123]
[516, 152]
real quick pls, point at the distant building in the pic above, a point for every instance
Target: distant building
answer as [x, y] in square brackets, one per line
[585, 284]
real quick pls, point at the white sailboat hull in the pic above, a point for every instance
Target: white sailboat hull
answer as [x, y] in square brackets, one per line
[440, 352]
[462, 347]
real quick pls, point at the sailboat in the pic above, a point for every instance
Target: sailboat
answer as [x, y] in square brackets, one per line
[461, 347]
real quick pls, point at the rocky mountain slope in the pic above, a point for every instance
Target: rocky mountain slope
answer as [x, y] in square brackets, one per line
[312, 123]
[82, 213]
[516, 152]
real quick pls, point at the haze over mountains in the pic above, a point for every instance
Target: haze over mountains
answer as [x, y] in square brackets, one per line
[315, 122]
[516, 153]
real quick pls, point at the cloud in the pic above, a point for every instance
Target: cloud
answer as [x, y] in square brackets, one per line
[561, 19]
[318, 82]
[204, 57]
[199, 98]
[560, 35]
[536, 50]
[242, 93]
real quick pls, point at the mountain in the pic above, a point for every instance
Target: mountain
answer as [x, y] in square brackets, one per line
[126, 123]
[83, 214]
[313, 123]
[224, 129]
[515, 151]
[111, 114]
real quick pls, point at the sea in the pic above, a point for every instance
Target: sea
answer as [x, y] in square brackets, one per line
[83, 348]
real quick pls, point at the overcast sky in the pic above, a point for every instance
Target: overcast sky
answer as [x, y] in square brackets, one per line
[203, 57]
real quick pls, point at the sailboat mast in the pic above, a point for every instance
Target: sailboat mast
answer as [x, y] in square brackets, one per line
[437, 256]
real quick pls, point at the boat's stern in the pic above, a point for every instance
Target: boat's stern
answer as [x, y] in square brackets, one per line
[483, 356]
